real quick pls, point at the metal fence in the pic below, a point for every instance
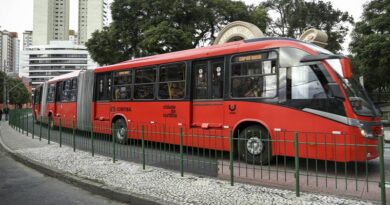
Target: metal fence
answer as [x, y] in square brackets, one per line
[313, 162]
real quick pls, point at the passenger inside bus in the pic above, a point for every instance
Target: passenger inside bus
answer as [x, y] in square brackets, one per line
[176, 91]
[247, 87]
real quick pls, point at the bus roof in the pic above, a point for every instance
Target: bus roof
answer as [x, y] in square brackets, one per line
[212, 51]
[65, 76]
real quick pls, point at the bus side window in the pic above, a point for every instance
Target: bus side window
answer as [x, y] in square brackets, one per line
[217, 80]
[201, 81]
[73, 90]
[172, 81]
[145, 79]
[51, 93]
[59, 91]
[305, 84]
[122, 85]
[254, 75]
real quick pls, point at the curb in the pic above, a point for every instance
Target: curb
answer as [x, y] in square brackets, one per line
[86, 184]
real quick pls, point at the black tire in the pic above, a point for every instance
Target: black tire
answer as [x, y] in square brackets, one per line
[254, 145]
[120, 129]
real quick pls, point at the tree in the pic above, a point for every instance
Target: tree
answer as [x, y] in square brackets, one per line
[294, 17]
[19, 94]
[370, 45]
[144, 27]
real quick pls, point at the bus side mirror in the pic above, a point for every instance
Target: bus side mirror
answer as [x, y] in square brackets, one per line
[347, 68]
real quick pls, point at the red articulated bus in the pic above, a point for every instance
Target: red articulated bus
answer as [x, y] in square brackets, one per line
[266, 86]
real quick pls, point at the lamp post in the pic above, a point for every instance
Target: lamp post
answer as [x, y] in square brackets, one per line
[4, 84]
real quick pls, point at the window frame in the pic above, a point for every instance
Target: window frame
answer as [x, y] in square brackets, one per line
[311, 68]
[158, 82]
[60, 86]
[37, 95]
[132, 74]
[53, 100]
[231, 63]
[153, 67]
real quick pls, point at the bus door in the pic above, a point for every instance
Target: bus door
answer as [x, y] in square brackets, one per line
[207, 94]
[103, 96]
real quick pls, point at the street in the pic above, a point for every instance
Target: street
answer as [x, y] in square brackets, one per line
[22, 185]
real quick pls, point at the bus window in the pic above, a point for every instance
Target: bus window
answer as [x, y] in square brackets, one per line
[172, 81]
[217, 80]
[103, 86]
[73, 90]
[254, 76]
[122, 85]
[66, 90]
[37, 96]
[201, 81]
[305, 84]
[59, 91]
[51, 93]
[145, 79]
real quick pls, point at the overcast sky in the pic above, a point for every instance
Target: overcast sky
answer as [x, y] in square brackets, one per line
[17, 15]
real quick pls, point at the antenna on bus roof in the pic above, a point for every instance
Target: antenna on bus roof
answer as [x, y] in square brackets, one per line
[315, 36]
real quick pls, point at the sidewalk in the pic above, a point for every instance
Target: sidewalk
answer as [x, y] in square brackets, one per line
[128, 182]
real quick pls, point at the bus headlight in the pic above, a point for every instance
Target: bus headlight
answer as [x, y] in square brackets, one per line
[363, 132]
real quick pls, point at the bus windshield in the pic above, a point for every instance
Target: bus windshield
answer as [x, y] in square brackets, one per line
[357, 96]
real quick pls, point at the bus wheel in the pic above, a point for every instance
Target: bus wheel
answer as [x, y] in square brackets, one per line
[120, 130]
[254, 146]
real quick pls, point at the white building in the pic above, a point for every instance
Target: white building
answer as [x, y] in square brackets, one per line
[73, 37]
[27, 39]
[15, 55]
[9, 52]
[57, 58]
[50, 21]
[92, 17]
